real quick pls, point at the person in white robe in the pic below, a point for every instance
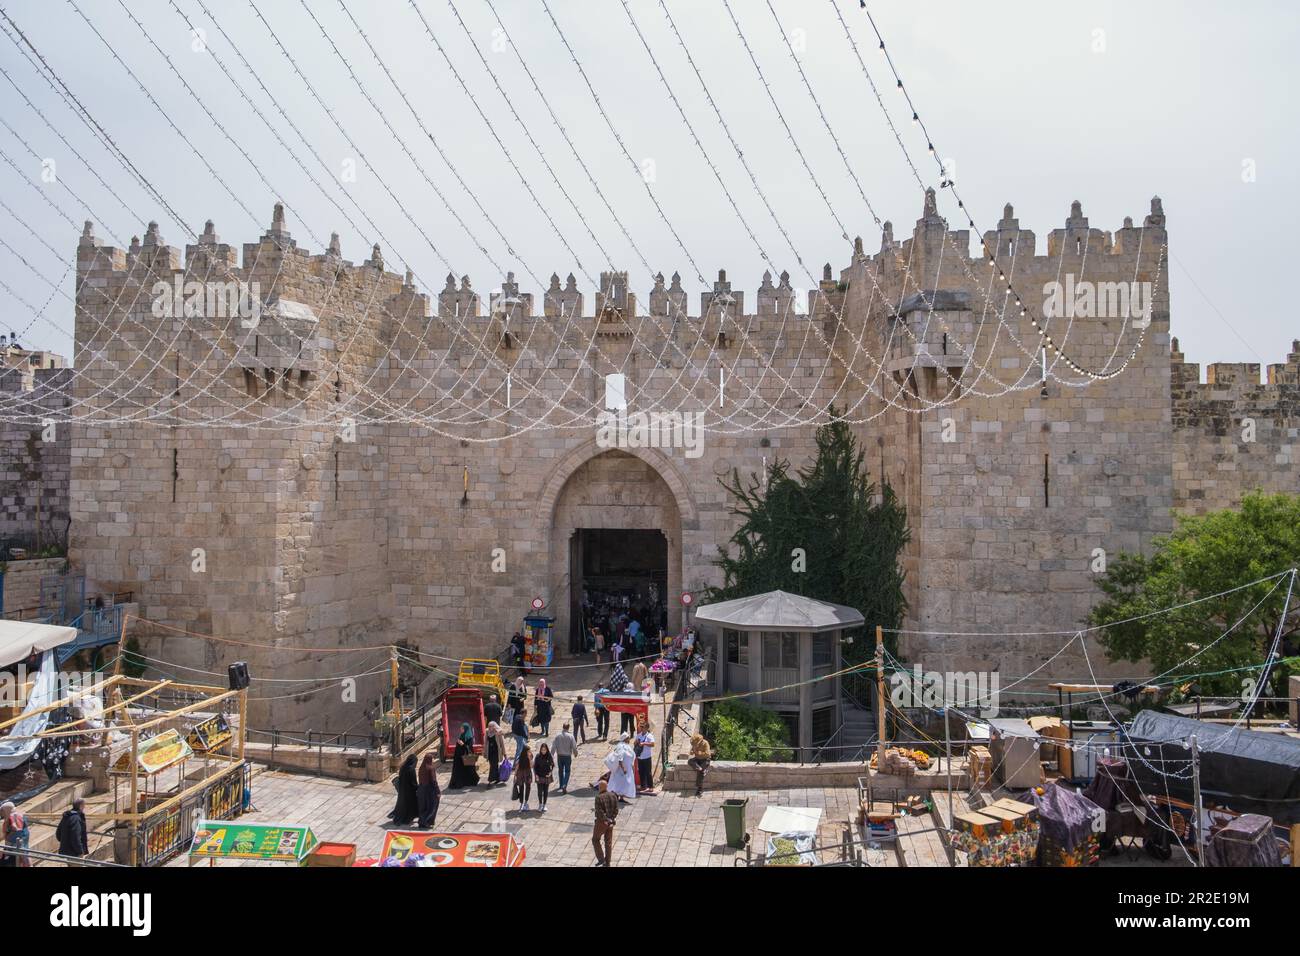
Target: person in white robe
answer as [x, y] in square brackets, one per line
[621, 764]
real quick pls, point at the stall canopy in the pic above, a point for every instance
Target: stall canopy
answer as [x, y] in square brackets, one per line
[1242, 770]
[19, 640]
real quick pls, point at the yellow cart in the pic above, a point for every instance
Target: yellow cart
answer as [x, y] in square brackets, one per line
[483, 674]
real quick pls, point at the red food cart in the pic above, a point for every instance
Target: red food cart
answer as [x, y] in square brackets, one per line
[462, 705]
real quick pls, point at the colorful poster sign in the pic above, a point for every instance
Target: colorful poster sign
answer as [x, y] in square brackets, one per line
[210, 734]
[155, 754]
[421, 848]
[270, 842]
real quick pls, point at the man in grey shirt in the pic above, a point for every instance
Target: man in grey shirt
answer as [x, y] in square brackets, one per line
[564, 747]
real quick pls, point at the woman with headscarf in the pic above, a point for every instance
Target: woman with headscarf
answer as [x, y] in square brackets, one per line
[496, 744]
[524, 777]
[620, 763]
[543, 768]
[407, 785]
[464, 768]
[427, 793]
[13, 826]
[545, 706]
[515, 699]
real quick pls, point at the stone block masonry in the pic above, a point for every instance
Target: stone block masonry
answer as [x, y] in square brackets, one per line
[35, 458]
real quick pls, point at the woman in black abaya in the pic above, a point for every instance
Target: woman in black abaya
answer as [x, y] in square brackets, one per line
[464, 772]
[406, 783]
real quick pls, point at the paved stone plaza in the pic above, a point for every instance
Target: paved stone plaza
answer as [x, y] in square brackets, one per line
[668, 829]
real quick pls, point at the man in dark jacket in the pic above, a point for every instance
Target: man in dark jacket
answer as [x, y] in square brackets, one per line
[491, 711]
[71, 831]
[603, 830]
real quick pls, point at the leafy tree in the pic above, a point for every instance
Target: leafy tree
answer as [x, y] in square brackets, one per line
[738, 731]
[133, 665]
[1206, 555]
[829, 512]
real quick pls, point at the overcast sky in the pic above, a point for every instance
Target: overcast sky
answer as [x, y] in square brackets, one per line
[1037, 103]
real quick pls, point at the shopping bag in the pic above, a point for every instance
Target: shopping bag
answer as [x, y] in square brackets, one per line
[507, 765]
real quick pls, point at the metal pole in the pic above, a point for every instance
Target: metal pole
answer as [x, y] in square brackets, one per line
[397, 703]
[1196, 790]
[880, 699]
[947, 746]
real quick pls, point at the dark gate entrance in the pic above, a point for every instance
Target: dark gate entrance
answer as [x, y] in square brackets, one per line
[616, 571]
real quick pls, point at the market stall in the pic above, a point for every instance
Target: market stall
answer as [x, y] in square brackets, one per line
[1005, 833]
[638, 706]
[1070, 827]
[424, 848]
[1244, 771]
[539, 651]
[164, 728]
[147, 761]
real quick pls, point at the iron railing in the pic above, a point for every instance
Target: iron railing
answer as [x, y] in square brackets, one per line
[45, 856]
[689, 679]
[163, 835]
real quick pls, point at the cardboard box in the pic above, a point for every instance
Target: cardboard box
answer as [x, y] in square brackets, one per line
[332, 854]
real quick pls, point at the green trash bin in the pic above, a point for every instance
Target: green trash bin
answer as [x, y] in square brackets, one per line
[733, 816]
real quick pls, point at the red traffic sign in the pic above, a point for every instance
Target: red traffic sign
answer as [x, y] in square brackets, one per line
[538, 604]
[688, 598]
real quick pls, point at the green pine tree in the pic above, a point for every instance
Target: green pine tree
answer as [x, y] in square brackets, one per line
[829, 512]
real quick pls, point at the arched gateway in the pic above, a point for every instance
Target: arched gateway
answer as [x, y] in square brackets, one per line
[614, 522]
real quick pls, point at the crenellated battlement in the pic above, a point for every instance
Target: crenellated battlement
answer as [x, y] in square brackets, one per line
[1232, 432]
[1234, 381]
[277, 256]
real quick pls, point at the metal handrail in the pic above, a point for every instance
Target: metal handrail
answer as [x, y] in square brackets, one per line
[47, 856]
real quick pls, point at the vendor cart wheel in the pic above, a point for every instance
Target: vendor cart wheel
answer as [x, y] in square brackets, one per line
[1158, 849]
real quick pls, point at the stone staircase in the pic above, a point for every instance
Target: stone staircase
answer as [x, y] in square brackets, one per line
[54, 801]
[859, 725]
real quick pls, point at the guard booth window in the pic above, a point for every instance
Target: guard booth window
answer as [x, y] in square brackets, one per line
[823, 650]
[737, 647]
[780, 650]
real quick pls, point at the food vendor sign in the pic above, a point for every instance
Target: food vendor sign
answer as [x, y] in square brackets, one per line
[422, 848]
[270, 842]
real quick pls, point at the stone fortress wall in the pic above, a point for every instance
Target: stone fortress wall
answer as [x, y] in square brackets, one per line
[342, 520]
[35, 458]
[1232, 432]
